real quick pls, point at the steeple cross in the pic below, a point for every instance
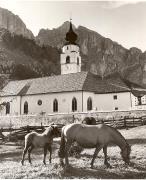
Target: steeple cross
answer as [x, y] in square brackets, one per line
[70, 17]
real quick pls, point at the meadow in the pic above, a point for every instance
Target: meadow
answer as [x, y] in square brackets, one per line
[10, 156]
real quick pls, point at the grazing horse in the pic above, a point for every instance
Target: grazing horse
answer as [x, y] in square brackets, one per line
[45, 140]
[89, 121]
[92, 136]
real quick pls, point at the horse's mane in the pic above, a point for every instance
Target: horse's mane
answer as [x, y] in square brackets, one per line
[114, 129]
[48, 130]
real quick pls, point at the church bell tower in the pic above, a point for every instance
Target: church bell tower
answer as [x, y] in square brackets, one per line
[70, 58]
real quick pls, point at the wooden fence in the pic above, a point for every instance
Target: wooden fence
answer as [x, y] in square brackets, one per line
[126, 122]
[19, 133]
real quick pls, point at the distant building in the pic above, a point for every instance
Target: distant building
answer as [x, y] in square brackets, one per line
[72, 91]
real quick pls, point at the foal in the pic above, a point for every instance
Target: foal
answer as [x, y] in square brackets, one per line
[45, 140]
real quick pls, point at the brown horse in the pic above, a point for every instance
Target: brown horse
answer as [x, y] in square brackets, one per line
[45, 140]
[89, 121]
[92, 136]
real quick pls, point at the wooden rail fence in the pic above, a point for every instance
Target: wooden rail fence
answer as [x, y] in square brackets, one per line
[125, 122]
[19, 133]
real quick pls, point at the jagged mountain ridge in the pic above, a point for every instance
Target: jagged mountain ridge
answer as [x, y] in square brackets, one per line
[14, 24]
[20, 56]
[40, 60]
[128, 62]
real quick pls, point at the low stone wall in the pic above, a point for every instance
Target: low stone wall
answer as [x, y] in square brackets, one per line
[37, 120]
[33, 120]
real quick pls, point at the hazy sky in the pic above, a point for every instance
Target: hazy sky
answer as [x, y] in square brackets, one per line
[121, 21]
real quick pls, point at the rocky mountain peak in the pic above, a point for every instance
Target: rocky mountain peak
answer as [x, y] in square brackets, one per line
[14, 24]
[100, 53]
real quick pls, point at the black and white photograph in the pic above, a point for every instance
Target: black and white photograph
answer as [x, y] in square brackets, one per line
[72, 89]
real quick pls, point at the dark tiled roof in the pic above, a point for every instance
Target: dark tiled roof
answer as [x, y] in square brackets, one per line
[106, 85]
[60, 83]
[24, 90]
[136, 89]
[85, 81]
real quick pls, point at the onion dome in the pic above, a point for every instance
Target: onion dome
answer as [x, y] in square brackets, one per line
[71, 36]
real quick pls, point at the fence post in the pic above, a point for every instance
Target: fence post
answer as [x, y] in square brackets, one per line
[28, 129]
[133, 121]
[125, 125]
[113, 121]
[102, 121]
[141, 120]
[73, 117]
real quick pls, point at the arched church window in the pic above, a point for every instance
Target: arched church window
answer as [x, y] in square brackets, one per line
[67, 59]
[7, 108]
[26, 107]
[77, 60]
[55, 105]
[74, 104]
[89, 104]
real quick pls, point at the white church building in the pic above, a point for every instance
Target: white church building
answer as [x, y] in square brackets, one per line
[72, 91]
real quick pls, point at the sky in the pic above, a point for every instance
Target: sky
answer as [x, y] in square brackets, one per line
[121, 21]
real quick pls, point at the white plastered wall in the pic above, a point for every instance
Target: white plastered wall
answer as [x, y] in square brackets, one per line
[64, 102]
[106, 102]
[14, 105]
[100, 102]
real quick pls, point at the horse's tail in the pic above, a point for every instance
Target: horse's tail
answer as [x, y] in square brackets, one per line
[61, 151]
[28, 139]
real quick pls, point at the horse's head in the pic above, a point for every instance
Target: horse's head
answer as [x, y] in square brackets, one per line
[93, 121]
[125, 153]
[89, 121]
[55, 131]
[86, 120]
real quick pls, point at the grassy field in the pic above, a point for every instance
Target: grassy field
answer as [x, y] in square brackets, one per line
[10, 156]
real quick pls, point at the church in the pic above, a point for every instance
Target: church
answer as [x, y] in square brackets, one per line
[71, 92]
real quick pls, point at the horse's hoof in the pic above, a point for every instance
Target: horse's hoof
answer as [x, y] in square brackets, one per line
[131, 164]
[108, 166]
[92, 167]
[22, 163]
[61, 163]
[44, 163]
